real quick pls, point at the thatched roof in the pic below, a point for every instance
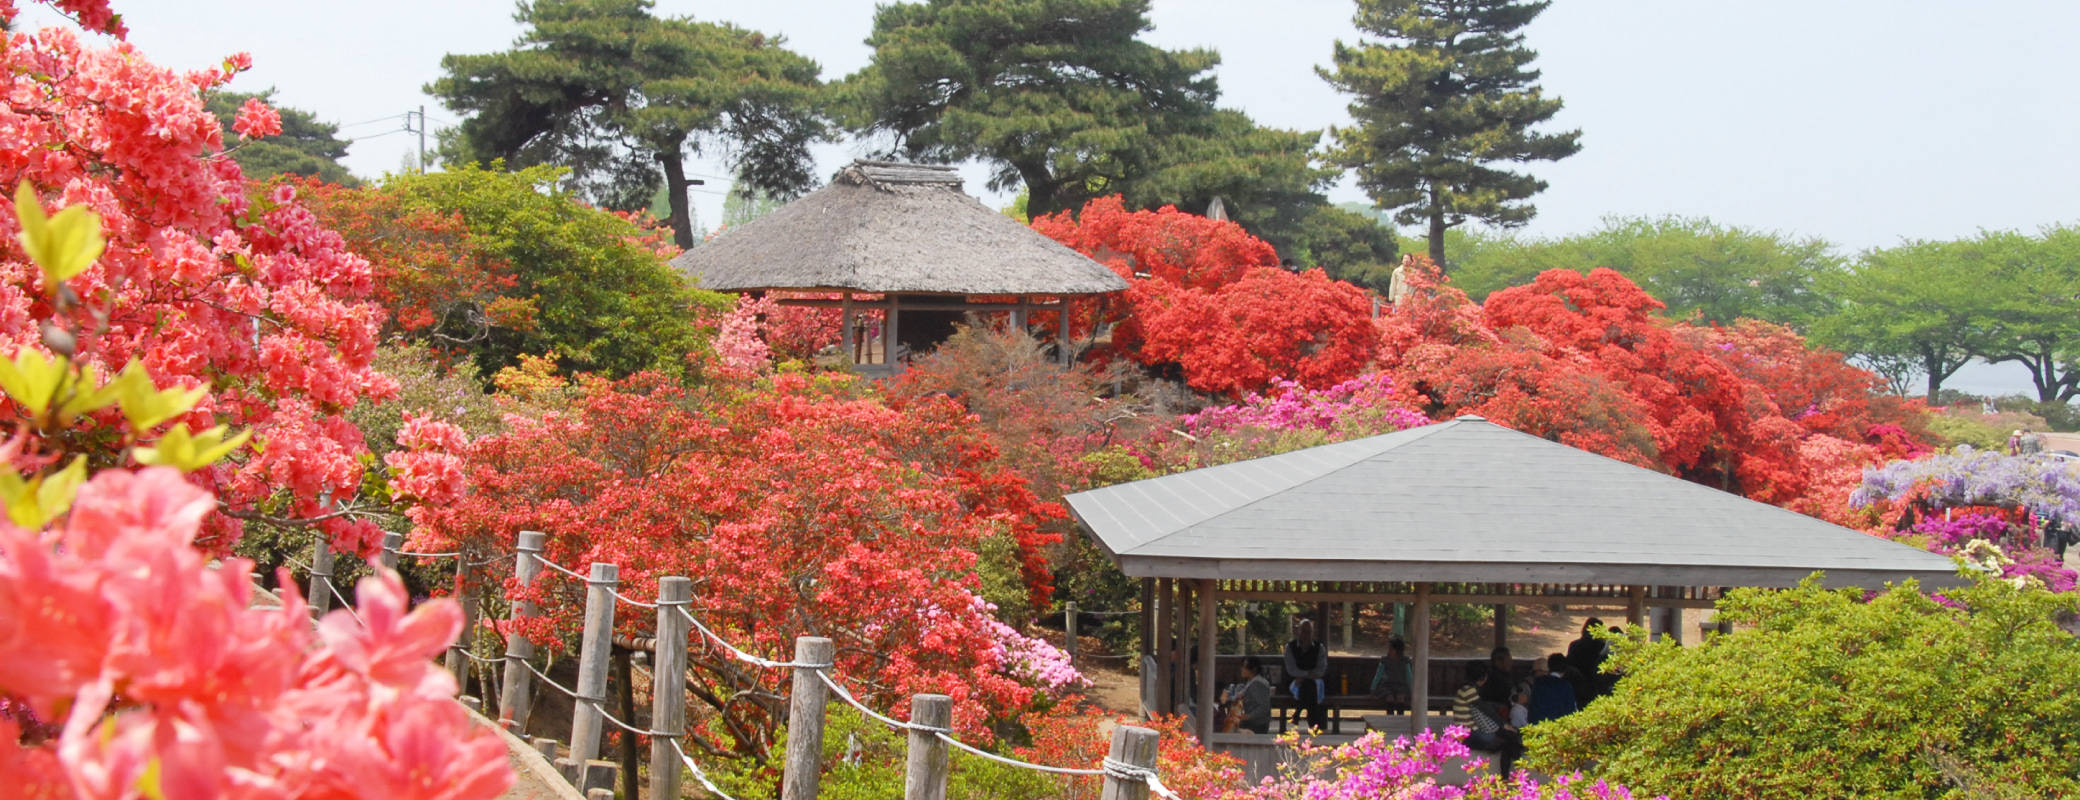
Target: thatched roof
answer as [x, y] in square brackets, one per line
[882, 227]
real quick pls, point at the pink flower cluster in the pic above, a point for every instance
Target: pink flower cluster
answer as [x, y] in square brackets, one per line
[257, 119]
[429, 469]
[1373, 767]
[1034, 661]
[166, 684]
[739, 343]
[1293, 407]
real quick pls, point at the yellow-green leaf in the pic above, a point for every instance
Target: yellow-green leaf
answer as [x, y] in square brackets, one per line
[63, 245]
[31, 378]
[86, 397]
[55, 496]
[145, 404]
[189, 452]
[32, 504]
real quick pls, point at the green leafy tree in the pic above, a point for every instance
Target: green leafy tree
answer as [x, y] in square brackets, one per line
[1824, 694]
[1919, 307]
[305, 147]
[1443, 99]
[1703, 270]
[621, 97]
[1064, 100]
[2034, 290]
[1061, 96]
[595, 287]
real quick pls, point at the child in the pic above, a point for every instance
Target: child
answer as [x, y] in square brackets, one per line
[1519, 708]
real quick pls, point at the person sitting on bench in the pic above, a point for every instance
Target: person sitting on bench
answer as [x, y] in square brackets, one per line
[1390, 681]
[1254, 697]
[1307, 664]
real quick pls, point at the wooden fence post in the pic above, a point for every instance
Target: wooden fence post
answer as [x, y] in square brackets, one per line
[925, 778]
[1135, 747]
[1069, 628]
[517, 699]
[457, 663]
[803, 775]
[392, 542]
[598, 645]
[668, 684]
[320, 595]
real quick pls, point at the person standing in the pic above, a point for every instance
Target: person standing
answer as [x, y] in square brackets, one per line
[1587, 653]
[2031, 444]
[2015, 443]
[1307, 664]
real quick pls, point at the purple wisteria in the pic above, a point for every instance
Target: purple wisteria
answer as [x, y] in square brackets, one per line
[1968, 477]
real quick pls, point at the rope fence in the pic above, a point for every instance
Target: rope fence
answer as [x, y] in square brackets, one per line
[812, 665]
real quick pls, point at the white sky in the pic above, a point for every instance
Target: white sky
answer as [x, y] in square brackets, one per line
[1860, 121]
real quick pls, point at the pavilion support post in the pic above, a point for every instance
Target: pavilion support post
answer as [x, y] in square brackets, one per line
[1062, 337]
[1206, 639]
[1501, 625]
[1181, 685]
[888, 333]
[1401, 621]
[1148, 616]
[1166, 606]
[1350, 622]
[1419, 690]
[1018, 315]
[845, 328]
[1636, 606]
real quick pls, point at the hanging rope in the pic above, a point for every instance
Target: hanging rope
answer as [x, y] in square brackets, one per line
[698, 774]
[740, 654]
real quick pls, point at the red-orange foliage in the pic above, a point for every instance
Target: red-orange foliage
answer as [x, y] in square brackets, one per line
[1588, 361]
[798, 507]
[430, 271]
[1208, 298]
[1079, 737]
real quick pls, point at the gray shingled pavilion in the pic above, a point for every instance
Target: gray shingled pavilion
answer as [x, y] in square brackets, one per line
[1464, 511]
[923, 253]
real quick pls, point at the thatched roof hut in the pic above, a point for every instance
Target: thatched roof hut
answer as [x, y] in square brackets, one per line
[918, 246]
[893, 228]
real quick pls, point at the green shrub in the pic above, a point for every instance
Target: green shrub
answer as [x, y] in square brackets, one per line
[1828, 695]
[863, 760]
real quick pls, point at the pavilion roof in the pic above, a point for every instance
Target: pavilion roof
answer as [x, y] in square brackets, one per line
[883, 227]
[1471, 501]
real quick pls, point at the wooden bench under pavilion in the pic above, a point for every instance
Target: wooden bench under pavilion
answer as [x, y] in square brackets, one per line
[903, 243]
[1463, 511]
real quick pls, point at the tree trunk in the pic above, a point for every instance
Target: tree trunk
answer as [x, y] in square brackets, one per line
[1040, 189]
[675, 187]
[1437, 228]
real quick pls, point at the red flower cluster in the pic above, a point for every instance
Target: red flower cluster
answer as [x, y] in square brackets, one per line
[1209, 298]
[798, 506]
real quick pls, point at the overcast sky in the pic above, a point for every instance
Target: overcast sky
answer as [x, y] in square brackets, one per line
[1859, 121]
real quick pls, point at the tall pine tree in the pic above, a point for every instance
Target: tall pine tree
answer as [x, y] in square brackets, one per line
[1439, 102]
[619, 95]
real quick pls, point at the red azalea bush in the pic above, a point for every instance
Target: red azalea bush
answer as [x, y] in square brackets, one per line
[1587, 359]
[1208, 300]
[799, 506]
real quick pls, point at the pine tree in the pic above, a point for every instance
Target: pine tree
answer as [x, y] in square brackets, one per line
[1444, 97]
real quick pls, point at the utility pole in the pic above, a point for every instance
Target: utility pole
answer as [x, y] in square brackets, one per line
[419, 128]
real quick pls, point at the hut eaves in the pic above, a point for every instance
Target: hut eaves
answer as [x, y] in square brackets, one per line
[883, 227]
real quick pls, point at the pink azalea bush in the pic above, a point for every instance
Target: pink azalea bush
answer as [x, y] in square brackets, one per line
[1292, 407]
[1374, 768]
[1034, 661]
[166, 683]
